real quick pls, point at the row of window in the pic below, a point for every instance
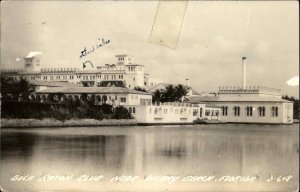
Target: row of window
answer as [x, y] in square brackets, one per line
[176, 111]
[261, 111]
[66, 77]
[145, 101]
[131, 110]
[211, 112]
[133, 69]
[112, 77]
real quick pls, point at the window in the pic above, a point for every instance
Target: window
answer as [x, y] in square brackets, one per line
[201, 112]
[133, 110]
[224, 110]
[236, 111]
[165, 111]
[207, 112]
[123, 99]
[249, 110]
[261, 111]
[195, 112]
[181, 111]
[274, 111]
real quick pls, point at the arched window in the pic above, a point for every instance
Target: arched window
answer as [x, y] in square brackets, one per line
[104, 98]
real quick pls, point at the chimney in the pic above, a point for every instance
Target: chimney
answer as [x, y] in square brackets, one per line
[188, 82]
[244, 72]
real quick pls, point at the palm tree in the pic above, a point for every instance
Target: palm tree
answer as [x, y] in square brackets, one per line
[7, 87]
[157, 96]
[17, 89]
[168, 95]
[181, 91]
[24, 89]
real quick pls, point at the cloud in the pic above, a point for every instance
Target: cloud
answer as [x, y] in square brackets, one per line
[293, 81]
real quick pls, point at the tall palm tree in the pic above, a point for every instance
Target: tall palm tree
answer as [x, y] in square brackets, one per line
[24, 89]
[168, 95]
[7, 87]
[181, 91]
[157, 96]
[17, 89]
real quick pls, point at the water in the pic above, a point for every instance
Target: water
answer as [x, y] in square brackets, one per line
[253, 151]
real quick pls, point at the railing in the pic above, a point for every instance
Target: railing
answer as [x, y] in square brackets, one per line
[54, 70]
[249, 89]
[178, 104]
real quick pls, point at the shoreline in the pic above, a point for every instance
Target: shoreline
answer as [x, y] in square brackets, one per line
[48, 122]
[7, 123]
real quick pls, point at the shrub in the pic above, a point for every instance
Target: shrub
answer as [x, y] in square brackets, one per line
[121, 112]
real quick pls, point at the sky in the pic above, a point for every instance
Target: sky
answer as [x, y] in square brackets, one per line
[214, 37]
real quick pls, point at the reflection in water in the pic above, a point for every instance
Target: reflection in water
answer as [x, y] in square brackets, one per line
[175, 150]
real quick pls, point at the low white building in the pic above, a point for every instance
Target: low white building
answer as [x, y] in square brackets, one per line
[167, 113]
[250, 105]
[108, 95]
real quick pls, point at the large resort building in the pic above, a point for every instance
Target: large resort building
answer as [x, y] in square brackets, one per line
[124, 71]
[230, 104]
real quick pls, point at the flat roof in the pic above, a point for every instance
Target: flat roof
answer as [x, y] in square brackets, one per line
[95, 90]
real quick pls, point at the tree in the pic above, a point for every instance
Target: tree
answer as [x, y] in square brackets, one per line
[121, 112]
[181, 91]
[16, 89]
[7, 87]
[24, 89]
[169, 94]
[296, 108]
[157, 96]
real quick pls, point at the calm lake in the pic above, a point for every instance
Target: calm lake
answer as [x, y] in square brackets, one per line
[154, 158]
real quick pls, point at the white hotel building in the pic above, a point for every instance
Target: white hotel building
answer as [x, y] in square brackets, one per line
[124, 70]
